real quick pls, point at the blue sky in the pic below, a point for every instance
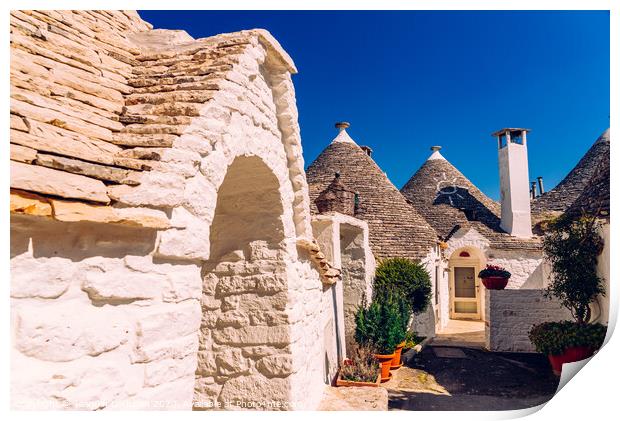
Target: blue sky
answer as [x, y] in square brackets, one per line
[409, 80]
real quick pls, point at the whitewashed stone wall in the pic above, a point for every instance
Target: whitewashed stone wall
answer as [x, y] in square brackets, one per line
[106, 317]
[511, 313]
[426, 323]
[526, 267]
[344, 240]
[97, 322]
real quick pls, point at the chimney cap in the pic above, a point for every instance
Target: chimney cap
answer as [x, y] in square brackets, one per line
[509, 129]
[342, 125]
[435, 148]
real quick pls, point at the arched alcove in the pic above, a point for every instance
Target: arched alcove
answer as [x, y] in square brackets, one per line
[244, 356]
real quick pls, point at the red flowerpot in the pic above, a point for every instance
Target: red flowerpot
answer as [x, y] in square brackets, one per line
[570, 355]
[396, 360]
[386, 362]
[494, 282]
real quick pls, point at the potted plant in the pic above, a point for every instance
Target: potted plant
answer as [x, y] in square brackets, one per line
[567, 341]
[572, 246]
[378, 326]
[362, 369]
[494, 277]
[403, 317]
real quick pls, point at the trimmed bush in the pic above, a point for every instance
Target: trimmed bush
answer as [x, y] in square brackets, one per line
[553, 338]
[410, 280]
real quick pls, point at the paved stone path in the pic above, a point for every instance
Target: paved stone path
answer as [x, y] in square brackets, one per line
[471, 379]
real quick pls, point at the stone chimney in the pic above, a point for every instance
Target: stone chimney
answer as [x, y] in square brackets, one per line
[336, 198]
[514, 179]
[541, 187]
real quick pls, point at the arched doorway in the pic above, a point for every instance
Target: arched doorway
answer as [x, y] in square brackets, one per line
[466, 294]
[244, 357]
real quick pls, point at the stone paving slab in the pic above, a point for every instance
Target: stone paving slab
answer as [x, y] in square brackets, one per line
[445, 352]
[354, 399]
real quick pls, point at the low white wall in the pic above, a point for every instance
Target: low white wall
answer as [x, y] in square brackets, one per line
[511, 313]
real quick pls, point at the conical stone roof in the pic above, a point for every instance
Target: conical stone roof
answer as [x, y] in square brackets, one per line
[562, 196]
[396, 228]
[449, 200]
[594, 200]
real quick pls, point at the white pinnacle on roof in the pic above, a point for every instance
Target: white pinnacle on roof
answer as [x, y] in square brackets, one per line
[436, 154]
[343, 136]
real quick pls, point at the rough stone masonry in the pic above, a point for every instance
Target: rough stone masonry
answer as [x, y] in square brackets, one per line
[162, 254]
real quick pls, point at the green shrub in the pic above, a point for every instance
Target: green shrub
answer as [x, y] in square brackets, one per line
[572, 246]
[554, 337]
[379, 326]
[399, 276]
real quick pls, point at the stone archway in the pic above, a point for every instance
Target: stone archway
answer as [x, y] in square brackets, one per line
[244, 355]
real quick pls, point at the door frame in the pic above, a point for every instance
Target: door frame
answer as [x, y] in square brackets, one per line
[465, 263]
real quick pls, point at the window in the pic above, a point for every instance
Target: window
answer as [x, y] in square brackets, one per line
[516, 137]
[502, 141]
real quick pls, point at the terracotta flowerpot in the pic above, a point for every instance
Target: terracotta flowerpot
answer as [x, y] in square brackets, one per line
[386, 362]
[494, 282]
[570, 355]
[350, 383]
[396, 364]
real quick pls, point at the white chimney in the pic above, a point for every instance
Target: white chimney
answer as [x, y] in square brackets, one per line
[514, 182]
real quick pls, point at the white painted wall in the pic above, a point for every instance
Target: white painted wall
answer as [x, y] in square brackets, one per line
[601, 307]
[111, 316]
[514, 189]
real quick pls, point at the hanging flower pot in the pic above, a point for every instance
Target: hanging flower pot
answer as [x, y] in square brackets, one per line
[494, 282]
[494, 277]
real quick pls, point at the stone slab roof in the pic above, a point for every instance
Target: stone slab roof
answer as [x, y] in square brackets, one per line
[396, 228]
[562, 196]
[449, 200]
[594, 200]
[98, 97]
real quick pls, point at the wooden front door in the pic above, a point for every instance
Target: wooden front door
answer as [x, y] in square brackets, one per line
[464, 293]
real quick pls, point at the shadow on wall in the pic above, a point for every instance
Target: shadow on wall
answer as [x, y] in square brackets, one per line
[78, 240]
[248, 208]
[474, 210]
[535, 280]
[244, 341]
